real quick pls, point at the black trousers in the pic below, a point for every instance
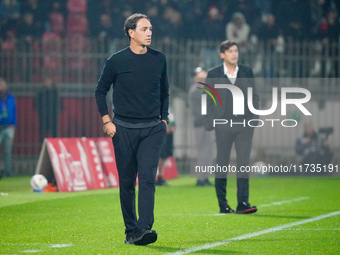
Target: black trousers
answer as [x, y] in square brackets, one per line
[137, 151]
[242, 137]
[48, 127]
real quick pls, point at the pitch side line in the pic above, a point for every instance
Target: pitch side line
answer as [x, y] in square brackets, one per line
[259, 206]
[250, 235]
[284, 201]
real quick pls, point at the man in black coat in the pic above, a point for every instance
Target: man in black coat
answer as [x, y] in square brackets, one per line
[138, 76]
[48, 105]
[235, 128]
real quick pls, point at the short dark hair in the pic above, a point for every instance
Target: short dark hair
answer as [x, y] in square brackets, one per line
[225, 45]
[131, 22]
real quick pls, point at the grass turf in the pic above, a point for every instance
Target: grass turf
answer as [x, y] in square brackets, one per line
[185, 216]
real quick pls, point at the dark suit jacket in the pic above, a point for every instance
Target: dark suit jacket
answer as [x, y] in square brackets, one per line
[244, 80]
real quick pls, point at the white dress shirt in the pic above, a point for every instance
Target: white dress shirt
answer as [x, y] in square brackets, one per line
[231, 77]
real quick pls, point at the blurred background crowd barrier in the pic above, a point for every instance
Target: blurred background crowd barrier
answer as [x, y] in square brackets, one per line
[75, 74]
[293, 41]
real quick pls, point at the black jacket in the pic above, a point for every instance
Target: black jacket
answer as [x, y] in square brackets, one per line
[140, 86]
[244, 80]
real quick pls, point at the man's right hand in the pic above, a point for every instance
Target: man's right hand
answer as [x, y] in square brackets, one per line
[110, 129]
[307, 140]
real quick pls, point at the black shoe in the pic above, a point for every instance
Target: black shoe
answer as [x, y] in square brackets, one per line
[129, 237]
[204, 182]
[144, 237]
[207, 182]
[227, 209]
[245, 208]
[200, 183]
[161, 182]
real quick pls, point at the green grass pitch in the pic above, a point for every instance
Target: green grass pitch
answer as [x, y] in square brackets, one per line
[185, 217]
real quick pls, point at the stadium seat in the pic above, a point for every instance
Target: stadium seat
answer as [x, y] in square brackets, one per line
[77, 23]
[76, 42]
[36, 54]
[52, 62]
[76, 63]
[77, 6]
[51, 42]
[51, 45]
[9, 43]
[57, 23]
[8, 59]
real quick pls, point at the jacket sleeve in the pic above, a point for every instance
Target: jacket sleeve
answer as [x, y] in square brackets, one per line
[107, 78]
[164, 93]
[209, 118]
[13, 115]
[256, 97]
[299, 146]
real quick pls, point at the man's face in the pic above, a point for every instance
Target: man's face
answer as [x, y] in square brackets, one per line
[143, 32]
[48, 82]
[271, 20]
[230, 56]
[309, 129]
[3, 86]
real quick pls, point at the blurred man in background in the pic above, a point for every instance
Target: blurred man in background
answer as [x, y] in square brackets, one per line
[167, 149]
[48, 105]
[313, 148]
[230, 72]
[203, 139]
[8, 122]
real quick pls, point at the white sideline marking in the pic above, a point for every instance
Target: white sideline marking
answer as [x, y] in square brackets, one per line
[31, 251]
[60, 245]
[285, 201]
[315, 229]
[264, 205]
[50, 246]
[250, 235]
[198, 214]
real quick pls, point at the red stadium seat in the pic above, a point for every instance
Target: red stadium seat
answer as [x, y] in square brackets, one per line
[37, 56]
[51, 42]
[77, 23]
[51, 45]
[76, 45]
[9, 43]
[77, 6]
[57, 23]
[76, 63]
[8, 59]
[75, 42]
[52, 62]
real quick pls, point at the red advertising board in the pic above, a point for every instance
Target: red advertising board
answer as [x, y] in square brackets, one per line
[95, 164]
[77, 164]
[170, 169]
[108, 160]
[71, 166]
